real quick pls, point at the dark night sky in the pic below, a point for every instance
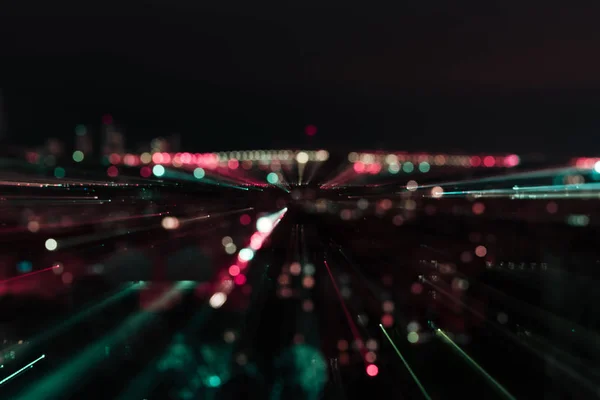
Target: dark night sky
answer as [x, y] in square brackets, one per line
[229, 75]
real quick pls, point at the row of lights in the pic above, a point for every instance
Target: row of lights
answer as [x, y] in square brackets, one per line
[424, 161]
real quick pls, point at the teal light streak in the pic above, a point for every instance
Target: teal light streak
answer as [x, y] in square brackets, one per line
[519, 175]
[30, 365]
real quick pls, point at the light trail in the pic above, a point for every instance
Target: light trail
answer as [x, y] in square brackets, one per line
[30, 365]
[417, 381]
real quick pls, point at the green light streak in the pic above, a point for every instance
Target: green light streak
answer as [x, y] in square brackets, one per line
[79, 367]
[406, 364]
[30, 365]
[472, 362]
[80, 316]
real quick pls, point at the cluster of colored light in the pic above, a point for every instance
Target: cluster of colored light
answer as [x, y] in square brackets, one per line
[587, 163]
[374, 163]
[264, 227]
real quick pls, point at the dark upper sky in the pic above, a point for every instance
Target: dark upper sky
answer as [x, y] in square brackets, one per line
[419, 75]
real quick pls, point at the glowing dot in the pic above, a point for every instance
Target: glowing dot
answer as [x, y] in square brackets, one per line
[363, 204]
[413, 326]
[78, 156]
[307, 305]
[388, 306]
[302, 157]
[387, 320]
[246, 254]
[233, 164]
[372, 370]
[372, 344]
[112, 171]
[272, 178]
[359, 167]
[295, 269]
[424, 167]
[199, 173]
[158, 170]
[310, 130]
[398, 220]
[229, 336]
[322, 155]
[145, 172]
[59, 172]
[80, 130]
[478, 208]
[512, 160]
[146, 158]
[408, 167]
[552, 207]
[245, 219]
[170, 223]
[240, 280]
[394, 168]
[309, 269]
[308, 282]
[230, 248]
[370, 357]
[412, 186]
[264, 225]
[51, 244]
[114, 158]
[413, 337]
[58, 268]
[24, 267]
[226, 240]
[489, 161]
[67, 278]
[33, 226]
[502, 318]
[416, 288]
[217, 300]
[214, 381]
[480, 251]
[437, 192]
[234, 270]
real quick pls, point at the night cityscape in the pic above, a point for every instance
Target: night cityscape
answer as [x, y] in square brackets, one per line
[299, 201]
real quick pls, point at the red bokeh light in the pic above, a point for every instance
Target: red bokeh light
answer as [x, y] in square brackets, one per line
[234, 270]
[511, 160]
[372, 370]
[359, 167]
[475, 161]
[233, 164]
[240, 280]
[112, 171]
[387, 320]
[114, 158]
[310, 130]
[145, 172]
[245, 219]
[489, 161]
